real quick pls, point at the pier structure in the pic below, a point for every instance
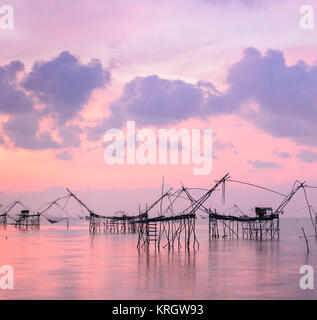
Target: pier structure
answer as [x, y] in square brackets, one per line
[261, 227]
[119, 223]
[170, 229]
[114, 224]
[264, 226]
[3, 220]
[168, 232]
[22, 219]
[163, 224]
[27, 221]
[5, 211]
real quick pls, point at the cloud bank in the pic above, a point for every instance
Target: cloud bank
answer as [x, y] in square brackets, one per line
[279, 99]
[275, 97]
[57, 89]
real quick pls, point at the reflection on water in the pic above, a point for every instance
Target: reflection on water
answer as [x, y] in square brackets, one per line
[55, 263]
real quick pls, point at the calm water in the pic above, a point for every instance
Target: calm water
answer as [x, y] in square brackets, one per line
[55, 263]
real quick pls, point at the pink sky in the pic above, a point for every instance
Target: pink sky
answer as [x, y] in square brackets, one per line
[175, 40]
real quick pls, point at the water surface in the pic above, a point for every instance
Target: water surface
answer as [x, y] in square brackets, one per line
[56, 263]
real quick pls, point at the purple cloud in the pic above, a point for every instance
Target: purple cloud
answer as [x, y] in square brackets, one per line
[62, 85]
[219, 145]
[22, 131]
[152, 101]
[282, 154]
[285, 96]
[64, 155]
[12, 99]
[259, 164]
[70, 136]
[307, 156]
[65, 85]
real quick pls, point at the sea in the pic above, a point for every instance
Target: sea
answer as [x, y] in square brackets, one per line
[57, 262]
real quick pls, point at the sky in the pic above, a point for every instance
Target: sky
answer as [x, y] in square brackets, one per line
[70, 70]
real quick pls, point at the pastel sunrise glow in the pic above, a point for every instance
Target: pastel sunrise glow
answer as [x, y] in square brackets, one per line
[70, 70]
